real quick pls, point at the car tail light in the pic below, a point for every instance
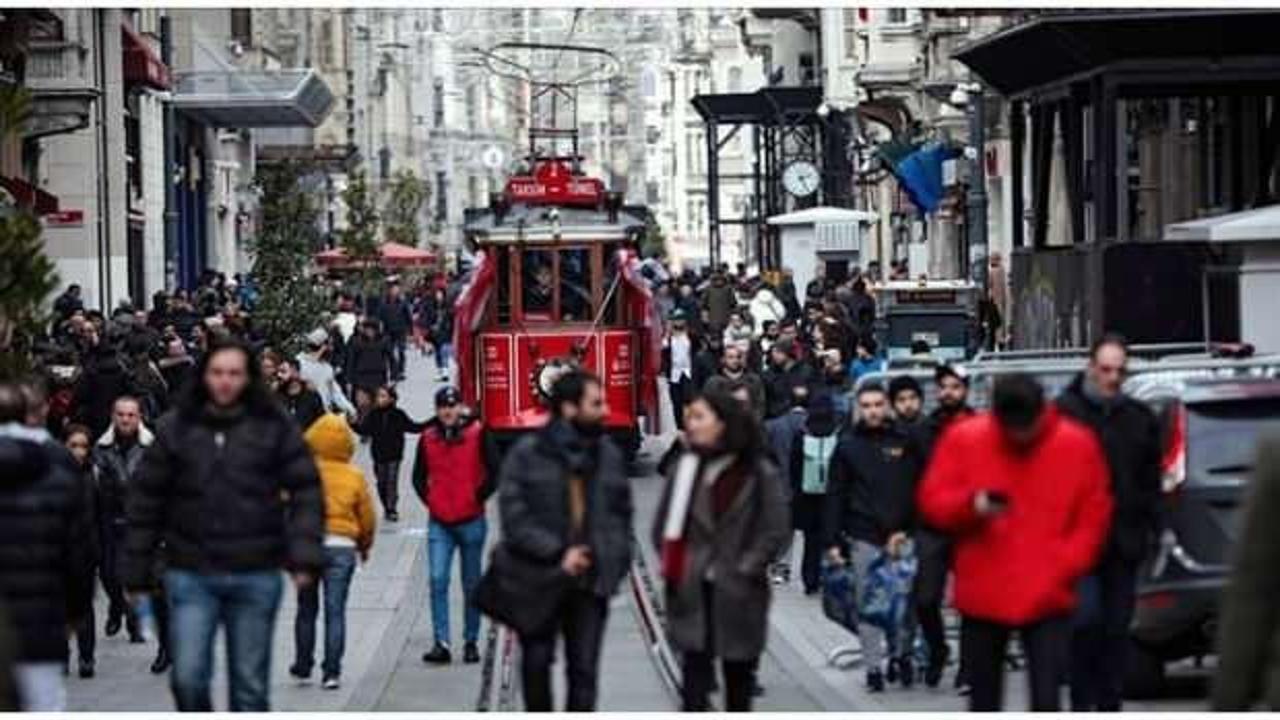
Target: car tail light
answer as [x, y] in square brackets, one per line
[1157, 601]
[1173, 463]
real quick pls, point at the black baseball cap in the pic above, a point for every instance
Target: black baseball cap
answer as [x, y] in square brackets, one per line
[447, 396]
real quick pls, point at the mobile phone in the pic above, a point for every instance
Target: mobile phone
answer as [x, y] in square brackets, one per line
[998, 499]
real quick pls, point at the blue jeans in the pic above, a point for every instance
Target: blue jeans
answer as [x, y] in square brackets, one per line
[339, 566]
[442, 541]
[245, 604]
[444, 353]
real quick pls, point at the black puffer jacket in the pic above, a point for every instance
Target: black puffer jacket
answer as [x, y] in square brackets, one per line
[46, 543]
[1130, 437]
[368, 362]
[225, 494]
[872, 485]
[533, 496]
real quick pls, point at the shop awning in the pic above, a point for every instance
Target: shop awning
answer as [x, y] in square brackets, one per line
[258, 98]
[26, 195]
[141, 64]
[391, 255]
[1062, 46]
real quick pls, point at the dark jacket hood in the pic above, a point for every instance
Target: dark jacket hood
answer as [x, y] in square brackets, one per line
[23, 457]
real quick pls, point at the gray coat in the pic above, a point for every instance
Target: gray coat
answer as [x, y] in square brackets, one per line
[1249, 637]
[735, 549]
[533, 499]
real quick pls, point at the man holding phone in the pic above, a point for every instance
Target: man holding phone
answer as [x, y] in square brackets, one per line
[1023, 492]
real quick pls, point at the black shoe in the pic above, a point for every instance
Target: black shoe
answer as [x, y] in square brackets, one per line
[393, 516]
[162, 662]
[135, 638]
[937, 665]
[891, 676]
[302, 675]
[86, 669]
[757, 690]
[114, 623]
[907, 673]
[470, 653]
[438, 655]
[875, 681]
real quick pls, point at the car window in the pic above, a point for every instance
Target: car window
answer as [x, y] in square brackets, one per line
[1222, 436]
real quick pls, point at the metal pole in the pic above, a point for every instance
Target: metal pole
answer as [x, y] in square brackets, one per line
[976, 214]
[170, 130]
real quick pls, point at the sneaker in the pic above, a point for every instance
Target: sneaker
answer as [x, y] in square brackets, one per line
[299, 674]
[393, 516]
[875, 681]
[937, 665]
[907, 672]
[162, 662]
[86, 669]
[331, 683]
[438, 655]
[114, 623]
[470, 653]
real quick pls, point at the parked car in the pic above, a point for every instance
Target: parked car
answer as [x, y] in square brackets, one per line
[1210, 429]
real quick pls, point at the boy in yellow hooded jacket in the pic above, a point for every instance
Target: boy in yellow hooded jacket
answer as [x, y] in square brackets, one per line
[350, 524]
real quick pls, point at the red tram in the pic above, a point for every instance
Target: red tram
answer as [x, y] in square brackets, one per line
[557, 282]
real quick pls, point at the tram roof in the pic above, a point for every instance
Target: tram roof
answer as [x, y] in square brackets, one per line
[535, 223]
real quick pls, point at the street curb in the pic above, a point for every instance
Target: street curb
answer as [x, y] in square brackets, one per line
[823, 693]
[377, 677]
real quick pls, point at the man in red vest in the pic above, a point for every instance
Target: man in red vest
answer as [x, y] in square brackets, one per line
[452, 477]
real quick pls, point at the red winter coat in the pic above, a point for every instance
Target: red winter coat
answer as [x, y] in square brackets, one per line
[1022, 566]
[450, 474]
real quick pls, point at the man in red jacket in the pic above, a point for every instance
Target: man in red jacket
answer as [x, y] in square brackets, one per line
[1024, 493]
[452, 477]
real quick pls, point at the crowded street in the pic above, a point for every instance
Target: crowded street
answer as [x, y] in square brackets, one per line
[655, 359]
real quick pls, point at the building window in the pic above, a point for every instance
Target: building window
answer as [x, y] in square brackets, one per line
[649, 83]
[808, 69]
[735, 79]
[437, 20]
[437, 106]
[442, 196]
[897, 16]
[242, 26]
[850, 33]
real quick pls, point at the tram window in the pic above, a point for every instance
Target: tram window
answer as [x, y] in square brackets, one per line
[575, 285]
[611, 287]
[538, 276]
[504, 286]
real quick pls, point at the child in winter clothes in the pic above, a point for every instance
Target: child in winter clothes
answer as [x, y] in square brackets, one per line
[350, 524]
[387, 424]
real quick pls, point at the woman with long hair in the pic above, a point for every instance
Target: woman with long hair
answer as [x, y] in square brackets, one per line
[722, 519]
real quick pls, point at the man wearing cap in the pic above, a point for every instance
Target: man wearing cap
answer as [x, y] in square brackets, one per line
[677, 364]
[452, 474]
[933, 548]
[318, 373]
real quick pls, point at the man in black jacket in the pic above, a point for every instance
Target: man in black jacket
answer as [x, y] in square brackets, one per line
[396, 315]
[116, 457]
[231, 490]
[870, 505]
[1130, 437]
[46, 551]
[565, 499]
[303, 403]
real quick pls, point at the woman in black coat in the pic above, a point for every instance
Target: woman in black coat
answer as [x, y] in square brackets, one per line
[368, 361]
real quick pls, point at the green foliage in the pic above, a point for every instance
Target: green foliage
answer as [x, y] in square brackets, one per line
[27, 277]
[405, 198]
[654, 242]
[15, 109]
[288, 236]
[360, 238]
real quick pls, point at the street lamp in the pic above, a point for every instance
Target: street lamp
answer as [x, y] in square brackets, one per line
[969, 96]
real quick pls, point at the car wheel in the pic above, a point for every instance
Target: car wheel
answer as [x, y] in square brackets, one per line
[1144, 673]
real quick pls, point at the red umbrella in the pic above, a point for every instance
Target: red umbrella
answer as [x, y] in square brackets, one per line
[390, 255]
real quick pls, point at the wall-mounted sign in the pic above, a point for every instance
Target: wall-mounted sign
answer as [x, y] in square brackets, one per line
[64, 219]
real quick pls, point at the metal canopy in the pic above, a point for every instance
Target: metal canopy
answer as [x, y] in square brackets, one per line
[1071, 46]
[766, 106]
[249, 99]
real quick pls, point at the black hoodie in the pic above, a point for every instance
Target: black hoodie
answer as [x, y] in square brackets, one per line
[46, 542]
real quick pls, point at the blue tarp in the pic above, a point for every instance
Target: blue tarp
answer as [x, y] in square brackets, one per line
[920, 174]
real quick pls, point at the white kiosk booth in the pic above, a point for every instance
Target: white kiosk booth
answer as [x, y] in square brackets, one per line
[1257, 233]
[833, 237]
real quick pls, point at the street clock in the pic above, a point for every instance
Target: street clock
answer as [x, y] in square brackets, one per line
[801, 178]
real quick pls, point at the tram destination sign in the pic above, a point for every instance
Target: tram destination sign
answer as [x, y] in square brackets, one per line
[552, 183]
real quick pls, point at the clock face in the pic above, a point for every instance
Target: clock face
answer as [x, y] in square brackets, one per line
[801, 178]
